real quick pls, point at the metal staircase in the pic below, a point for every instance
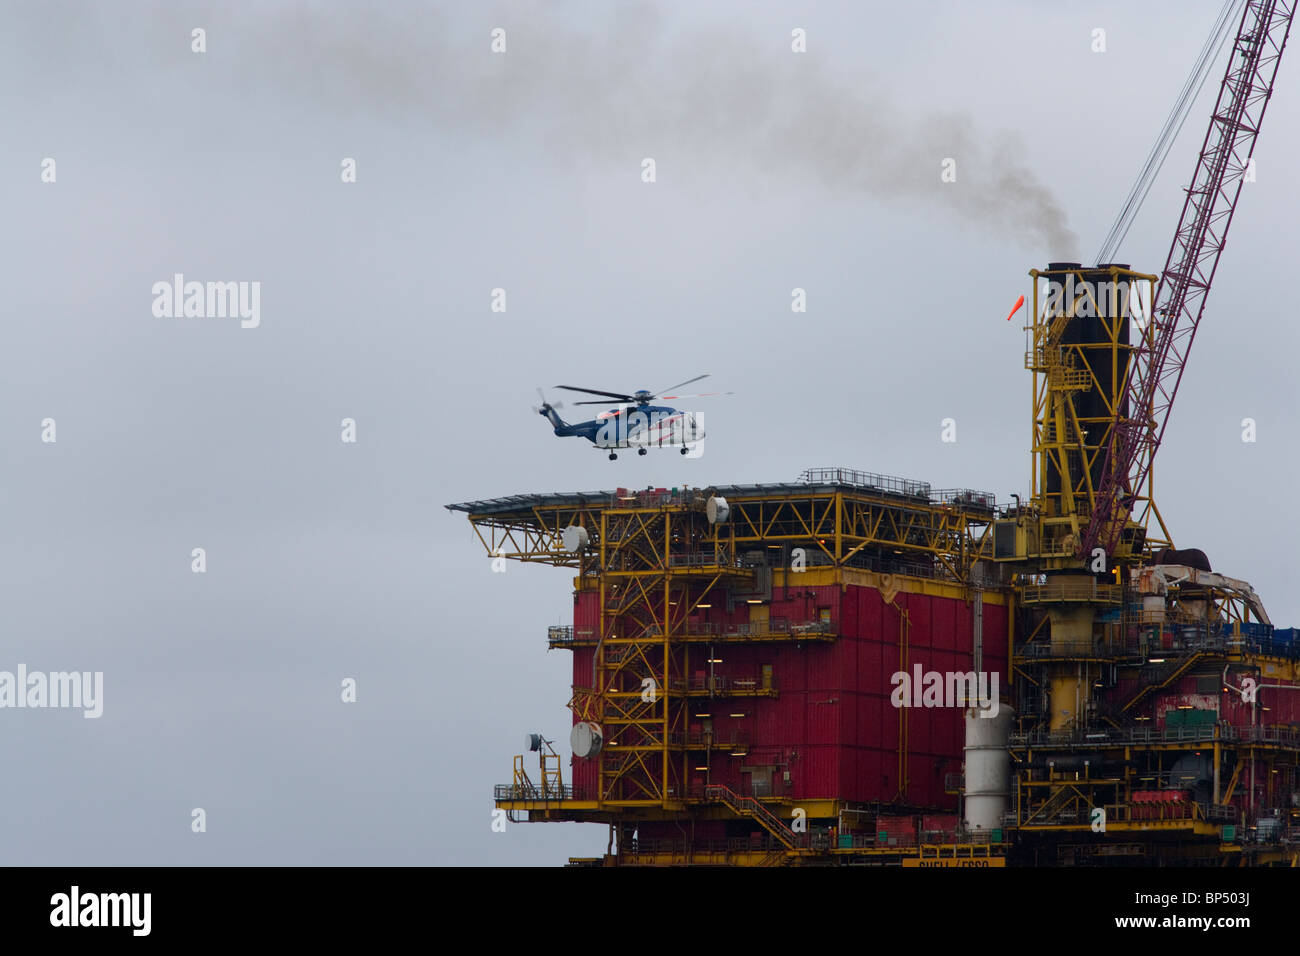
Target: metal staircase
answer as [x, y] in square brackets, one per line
[749, 807]
[1165, 675]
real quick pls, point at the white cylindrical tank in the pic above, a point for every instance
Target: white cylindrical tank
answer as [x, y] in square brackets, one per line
[988, 766]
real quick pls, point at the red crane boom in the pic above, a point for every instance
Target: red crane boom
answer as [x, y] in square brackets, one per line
[1157, 361]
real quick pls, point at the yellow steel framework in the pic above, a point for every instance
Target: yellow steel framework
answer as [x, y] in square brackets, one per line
[1078, 351]
[835, 525]
[659, 563]
[1065, 775]
[653, 558]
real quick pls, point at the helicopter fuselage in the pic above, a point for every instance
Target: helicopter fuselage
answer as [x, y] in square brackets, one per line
[635, 423]
[641, 426]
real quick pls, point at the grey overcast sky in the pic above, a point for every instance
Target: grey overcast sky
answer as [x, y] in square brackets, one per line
[328, 560]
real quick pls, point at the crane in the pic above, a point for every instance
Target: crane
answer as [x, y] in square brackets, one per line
[1158, 360]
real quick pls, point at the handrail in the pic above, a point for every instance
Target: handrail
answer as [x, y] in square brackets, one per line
[1102, 738]
[751, 807]
[722, 683]
[567, 634]
[523, 791]
[1082, 589]
[1165, 674]
[776, 625]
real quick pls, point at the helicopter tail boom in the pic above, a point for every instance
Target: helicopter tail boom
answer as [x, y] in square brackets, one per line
[552, 416]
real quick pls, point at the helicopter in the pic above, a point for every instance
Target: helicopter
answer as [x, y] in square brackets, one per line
[635, 424]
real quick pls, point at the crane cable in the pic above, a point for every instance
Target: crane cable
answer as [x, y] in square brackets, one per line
[1169, 132]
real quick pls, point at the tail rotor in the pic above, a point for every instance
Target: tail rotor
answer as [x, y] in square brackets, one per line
[550, 411]
[546, 406]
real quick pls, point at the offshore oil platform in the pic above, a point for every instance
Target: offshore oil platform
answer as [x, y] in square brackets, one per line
[853, 669]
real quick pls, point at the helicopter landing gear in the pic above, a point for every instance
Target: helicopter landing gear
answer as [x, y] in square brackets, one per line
[640, 451]
[613, 456]
[685, 451]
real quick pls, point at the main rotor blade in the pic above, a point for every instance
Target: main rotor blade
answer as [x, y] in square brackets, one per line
[680, 384]
[697, 395]
[595, 391]
[602, 402]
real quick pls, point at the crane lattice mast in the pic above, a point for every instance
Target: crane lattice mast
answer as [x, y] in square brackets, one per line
[1159, 358]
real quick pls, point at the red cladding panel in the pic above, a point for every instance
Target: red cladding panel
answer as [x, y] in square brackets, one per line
[823, 720]
[586, 615]
[943, 624]
[847, 622]
[832, 724]
[815, 772]
[919, 635]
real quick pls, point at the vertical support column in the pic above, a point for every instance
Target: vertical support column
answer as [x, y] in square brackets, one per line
[664, 760]
[598, 659]
[839, 528]
[1011, 639]
[1071, 628]
[1218, 756]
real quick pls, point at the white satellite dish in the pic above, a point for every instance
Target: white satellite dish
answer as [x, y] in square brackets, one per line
[717, 510]
[585, 739]
[575, 538]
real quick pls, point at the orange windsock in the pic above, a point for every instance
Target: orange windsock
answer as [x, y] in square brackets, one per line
[1016, 308]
